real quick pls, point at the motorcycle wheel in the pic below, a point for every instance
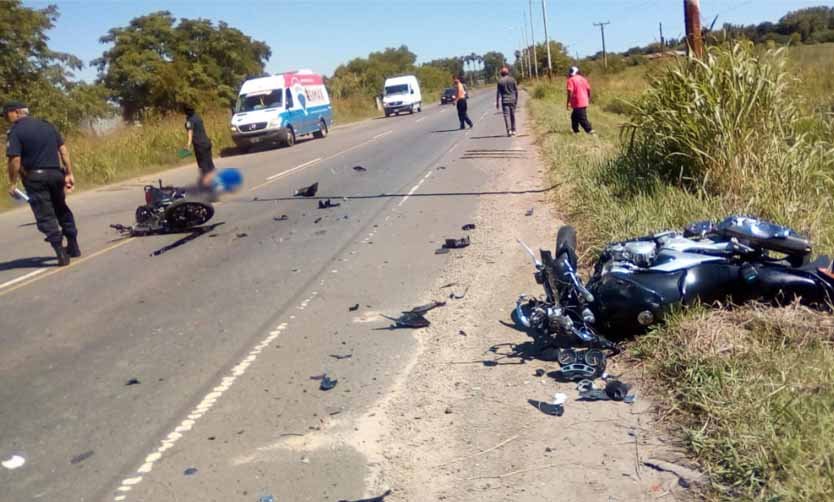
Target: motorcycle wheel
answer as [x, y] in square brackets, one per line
[144, 214]
[185, 214]
[566, 243]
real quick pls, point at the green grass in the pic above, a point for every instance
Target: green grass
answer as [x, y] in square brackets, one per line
[750, 390]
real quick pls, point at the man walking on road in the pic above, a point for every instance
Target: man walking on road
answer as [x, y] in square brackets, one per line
[198, 138]
[579, 96]
[508, 95]
[35, 151]
[460, 102]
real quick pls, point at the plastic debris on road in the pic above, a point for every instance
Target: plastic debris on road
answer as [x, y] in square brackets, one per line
[308, 191]
[13, 462]
[378, 498]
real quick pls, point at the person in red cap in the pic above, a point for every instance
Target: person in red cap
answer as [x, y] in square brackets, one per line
[38, 157]
[579, 97]
[508, 96]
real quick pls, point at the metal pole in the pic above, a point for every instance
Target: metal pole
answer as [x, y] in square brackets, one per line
[602, 32]
[662, 40]
[527, 48]
[692, 19]
[533, 40]
[546, 37]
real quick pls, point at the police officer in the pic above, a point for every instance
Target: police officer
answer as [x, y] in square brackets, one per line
[198, 138]
[36, 152]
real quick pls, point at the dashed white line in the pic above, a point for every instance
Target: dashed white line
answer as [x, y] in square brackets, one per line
[414, 189]
[386, 133]
[420, 119]
[277, 176]
[22, 278]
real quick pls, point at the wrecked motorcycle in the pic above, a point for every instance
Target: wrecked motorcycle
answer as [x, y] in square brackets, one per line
[636, 282]
[167, 210]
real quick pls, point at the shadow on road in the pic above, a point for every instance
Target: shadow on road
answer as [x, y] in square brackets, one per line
[401, 195]
[447, 130]
[35, 262]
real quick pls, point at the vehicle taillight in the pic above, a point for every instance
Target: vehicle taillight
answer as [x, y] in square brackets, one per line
[147, 197]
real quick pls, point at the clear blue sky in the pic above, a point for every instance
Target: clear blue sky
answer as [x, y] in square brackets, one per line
[323, 34]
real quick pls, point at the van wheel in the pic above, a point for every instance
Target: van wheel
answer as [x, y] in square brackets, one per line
[387, 114]
[322, 132]
[413, 108]
[289, 138]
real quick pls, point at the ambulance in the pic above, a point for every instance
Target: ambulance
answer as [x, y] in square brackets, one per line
[278, 109]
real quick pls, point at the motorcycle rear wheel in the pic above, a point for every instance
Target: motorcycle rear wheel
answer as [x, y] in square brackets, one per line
[566, 243]
[185, 214]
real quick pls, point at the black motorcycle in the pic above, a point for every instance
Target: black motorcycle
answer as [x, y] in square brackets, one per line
[167, 210]
[635, 283]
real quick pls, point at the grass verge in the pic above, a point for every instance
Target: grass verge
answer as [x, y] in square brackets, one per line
[750, 390]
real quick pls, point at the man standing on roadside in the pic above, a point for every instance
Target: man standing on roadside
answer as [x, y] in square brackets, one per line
[35, 152]
[508, 95]
[579, 96]
[460, 102]
[198, 138]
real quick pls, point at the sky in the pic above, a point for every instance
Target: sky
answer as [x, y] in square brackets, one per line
[323, 34]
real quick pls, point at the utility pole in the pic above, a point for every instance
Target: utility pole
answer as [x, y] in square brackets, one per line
[692, 19]
[533, 40]
[662, 41]
[527, 48]
[602, 32]
[547, 38]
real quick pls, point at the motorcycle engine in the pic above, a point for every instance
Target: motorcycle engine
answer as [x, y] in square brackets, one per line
[640, 253]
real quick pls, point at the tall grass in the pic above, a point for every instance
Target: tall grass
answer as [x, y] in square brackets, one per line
[741, 131]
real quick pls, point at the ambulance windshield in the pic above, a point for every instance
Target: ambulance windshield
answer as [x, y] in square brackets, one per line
[396, 89]
[259, 100]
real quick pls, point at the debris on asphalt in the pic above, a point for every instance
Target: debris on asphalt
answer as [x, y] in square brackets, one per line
[462, 332]
[529, 212]
[448, 410]
[455, 296]
[440, 168]
[133, 381]
[422, 309]
[577, 371]
[13, 462]
[540, 372]
[456, 243]
[266, 498]
[340, 357]
[327, 204]
[190, 471]
[615, 390]
[81, 457]
[305, 460]
[468, 226]
[327, 383]
[309, 191]
[557, 410]
[378, 498]
[359, 169]
[686, 476]
[241, 235]
[415, 318]
[353, 308]
[317, 219]
[448, 285]
[283, 217]
[441, 251]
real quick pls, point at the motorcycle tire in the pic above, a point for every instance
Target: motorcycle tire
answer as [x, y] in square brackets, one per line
[566, 243]
[144, 214]
[185, 214]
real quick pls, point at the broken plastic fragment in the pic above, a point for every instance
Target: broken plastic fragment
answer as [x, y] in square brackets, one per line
[266, 498]
[283, 217]
[359, 169]
[353, 308]
[559, 398]
[317, 220]
[557, 410]
[456, 243]
[327, 383]
[81, 457]
[378, 498]
[308, 191]
[326, 204]
[422, 309]
[441, 251]
[190, 471]
[468, 226]
[529, 212]
[133, 381]
[13, 462]
[340, 357]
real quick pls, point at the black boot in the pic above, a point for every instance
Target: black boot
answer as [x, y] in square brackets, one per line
[72, 247]
[61, 254]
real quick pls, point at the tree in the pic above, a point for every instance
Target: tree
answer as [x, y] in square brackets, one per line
[38, 76]
[155, 63]
[493, 61]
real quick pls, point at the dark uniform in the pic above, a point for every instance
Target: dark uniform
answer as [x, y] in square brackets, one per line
[36, 143]
[201, 142]
[508, 95]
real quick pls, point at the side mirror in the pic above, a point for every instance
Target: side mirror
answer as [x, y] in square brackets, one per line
[412, 91]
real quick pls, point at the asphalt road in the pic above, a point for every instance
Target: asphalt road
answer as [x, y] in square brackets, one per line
[223, 332]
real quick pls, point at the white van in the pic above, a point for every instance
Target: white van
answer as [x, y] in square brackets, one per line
[280, 108]
[402, 94]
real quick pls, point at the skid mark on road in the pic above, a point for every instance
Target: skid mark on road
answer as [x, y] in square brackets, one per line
[204, 406]
[14, 285]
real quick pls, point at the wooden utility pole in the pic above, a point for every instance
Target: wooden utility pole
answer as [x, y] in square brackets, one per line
[533, 41]
[527, 48]
[692, 19]
[662, 41]
[602, 32]
[547, 38]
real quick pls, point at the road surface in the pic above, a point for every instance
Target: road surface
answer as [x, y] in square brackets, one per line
[126, 370]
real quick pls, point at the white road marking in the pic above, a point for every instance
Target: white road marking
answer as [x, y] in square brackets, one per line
[22, 278]
[296, 168]
[420, 119]
[414, 189]
[386, 133]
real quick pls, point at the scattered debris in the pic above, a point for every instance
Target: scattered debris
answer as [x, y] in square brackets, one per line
[327, 383]
[440, 168]
[81, 457]
[615, 390]
[353, 308]
[540, 372]
[468, 226]
[133, 381]
[448, 410]
[455, 296]
[441, 251]
[13, 462]
[686, 476]
[340, 357]
[327, 204]
[529, 212]
[190, 471]
[456, 243]
[422, 309]
[557, 410]
[283, 217]
[317, 219]
[560, 398]
[414, 318]
[266, 498]
[448, 285]
[305, 460]
[359, 169]
[578, 371]
[309, 191]
[241, 235]
[379, 498]
[462, 332]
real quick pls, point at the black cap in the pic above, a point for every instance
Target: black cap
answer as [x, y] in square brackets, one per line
[12, 106]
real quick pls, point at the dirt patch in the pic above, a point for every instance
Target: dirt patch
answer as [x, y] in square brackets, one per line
[457, 424]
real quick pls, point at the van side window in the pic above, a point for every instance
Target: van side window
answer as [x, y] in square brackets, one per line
[289, 98]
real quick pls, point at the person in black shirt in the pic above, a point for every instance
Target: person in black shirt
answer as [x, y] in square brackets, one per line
[202, 146]
[36, 152]
[508, 95]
